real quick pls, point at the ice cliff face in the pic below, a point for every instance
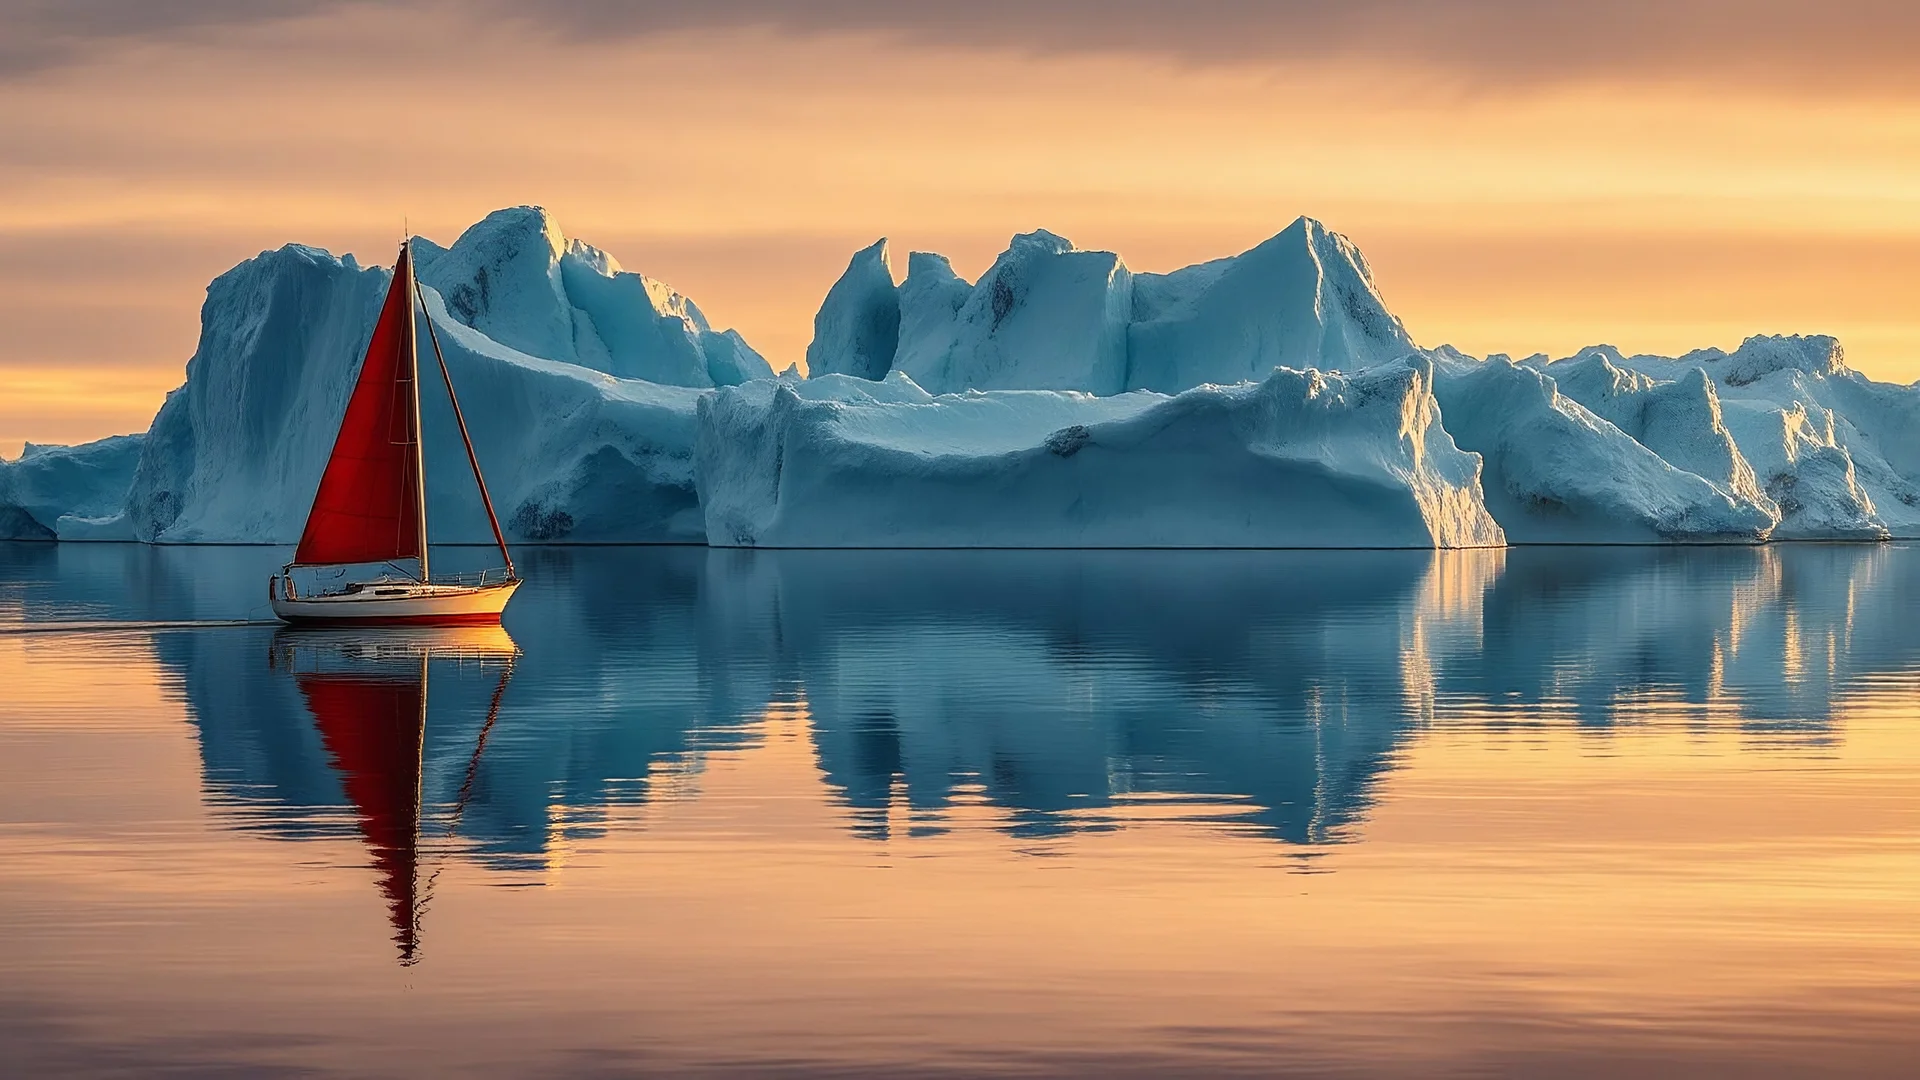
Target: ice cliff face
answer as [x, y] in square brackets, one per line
[1302, 459]
[1045, 316]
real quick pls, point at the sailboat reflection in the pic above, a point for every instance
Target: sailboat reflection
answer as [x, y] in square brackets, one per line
[367, 693]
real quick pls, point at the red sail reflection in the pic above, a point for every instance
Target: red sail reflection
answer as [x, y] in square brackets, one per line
[368, 697]
[373, 728]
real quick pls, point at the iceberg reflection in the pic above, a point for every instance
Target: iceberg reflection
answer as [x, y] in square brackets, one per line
[1267, 692]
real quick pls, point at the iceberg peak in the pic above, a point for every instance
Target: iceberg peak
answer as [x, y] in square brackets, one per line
[1045, 316]
[502, 278]
[517, 226]
[1762, 355]
[1609, 353]
[520, 280]
[1040, 241]
[930, 265]
[858, 327]
[1304, 298]
[1049, 316]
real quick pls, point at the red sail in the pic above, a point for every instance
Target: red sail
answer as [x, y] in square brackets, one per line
[373, 728]
[367, 509]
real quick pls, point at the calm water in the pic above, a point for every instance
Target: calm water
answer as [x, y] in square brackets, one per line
[1567, 812]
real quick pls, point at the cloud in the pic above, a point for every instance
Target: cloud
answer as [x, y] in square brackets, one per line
[1838, 46]
[38, 34]
[1859, 44]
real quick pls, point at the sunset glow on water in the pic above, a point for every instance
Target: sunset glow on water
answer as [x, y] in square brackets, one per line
[1539, 811]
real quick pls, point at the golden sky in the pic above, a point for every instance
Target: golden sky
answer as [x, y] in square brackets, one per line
[1523, 176]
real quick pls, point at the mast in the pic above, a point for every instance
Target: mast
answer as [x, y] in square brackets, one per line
[419, 434]
[460, 421]
[409, 935]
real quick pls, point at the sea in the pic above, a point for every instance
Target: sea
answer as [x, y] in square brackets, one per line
[1570, 812]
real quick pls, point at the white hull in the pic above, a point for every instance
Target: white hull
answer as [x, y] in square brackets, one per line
[398, 603]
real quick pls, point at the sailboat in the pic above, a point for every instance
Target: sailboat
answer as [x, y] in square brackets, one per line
[372, 502]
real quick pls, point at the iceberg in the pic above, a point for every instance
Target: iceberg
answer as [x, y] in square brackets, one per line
[1777, 440]
[1301, 459]
[1268, 399]
[68, 492]
[574, 445]
[1679, 420]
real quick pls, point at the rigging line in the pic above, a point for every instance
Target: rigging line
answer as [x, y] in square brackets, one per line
[466, 787]
[411, 943]
[419, 439]
[479, 748]
[460, 419]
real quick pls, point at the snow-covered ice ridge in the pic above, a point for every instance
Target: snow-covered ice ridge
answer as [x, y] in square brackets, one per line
[1268, 399]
